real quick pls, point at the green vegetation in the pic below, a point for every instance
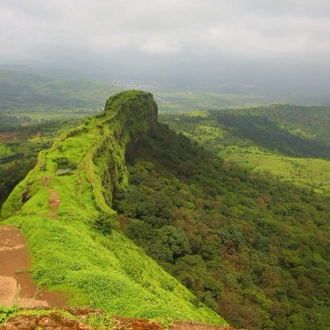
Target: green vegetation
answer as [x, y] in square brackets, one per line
[19, 148]
[71, 216]
[250, 247]
[311, 173]
[290, 142]
[33, 111]
[173, 102]
[6, 312]
[211, 96]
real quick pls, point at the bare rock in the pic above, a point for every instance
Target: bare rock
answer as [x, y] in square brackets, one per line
[53, 321]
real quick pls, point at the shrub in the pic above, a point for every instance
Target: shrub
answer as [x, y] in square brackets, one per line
[103, 223]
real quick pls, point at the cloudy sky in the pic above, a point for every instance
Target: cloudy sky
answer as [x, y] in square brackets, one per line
[228, 41]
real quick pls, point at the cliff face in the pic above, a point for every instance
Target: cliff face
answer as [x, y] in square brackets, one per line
[57, 211]
[130, 116]
[136, 110]
[93, 153]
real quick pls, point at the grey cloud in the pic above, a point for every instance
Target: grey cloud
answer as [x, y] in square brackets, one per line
[168, 36]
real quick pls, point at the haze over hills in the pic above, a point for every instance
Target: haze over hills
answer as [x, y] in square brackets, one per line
[262, 43]
[19, 90]
[31, 88]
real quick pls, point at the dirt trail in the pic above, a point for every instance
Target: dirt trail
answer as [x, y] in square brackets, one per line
[54, 200]
[16, 286]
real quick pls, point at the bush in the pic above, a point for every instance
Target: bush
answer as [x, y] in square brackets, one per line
[103, 223]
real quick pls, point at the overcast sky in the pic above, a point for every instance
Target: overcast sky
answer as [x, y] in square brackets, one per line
[229, 41]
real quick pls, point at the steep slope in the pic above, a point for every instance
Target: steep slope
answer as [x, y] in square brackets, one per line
[265, 243]
[64, 208]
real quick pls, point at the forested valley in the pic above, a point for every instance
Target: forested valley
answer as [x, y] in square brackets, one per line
[251, 247]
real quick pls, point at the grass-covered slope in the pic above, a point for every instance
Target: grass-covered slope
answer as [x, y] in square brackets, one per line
[60, 215]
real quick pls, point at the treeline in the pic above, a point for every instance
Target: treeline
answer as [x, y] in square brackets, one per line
[250, 247]
[267, 134]
[10, 123]
[291, 130]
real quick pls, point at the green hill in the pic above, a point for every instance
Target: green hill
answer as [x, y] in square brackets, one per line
[27, 98]
[72, 230]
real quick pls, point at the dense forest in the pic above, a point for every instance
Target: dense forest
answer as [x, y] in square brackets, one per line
[252, 248]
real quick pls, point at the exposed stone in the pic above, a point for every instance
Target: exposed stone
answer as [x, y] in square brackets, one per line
[84, 312]
[189, 325]
[53, 321]
[122, 323]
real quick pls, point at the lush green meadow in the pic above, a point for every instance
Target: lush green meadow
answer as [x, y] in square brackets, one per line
[309, 173]
[107, 272]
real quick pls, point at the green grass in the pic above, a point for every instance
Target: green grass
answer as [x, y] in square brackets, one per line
[40, 114]
[5, 151]
[107, 272]
[310, 173]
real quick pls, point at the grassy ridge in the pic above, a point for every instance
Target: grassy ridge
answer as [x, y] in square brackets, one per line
[105, 271]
